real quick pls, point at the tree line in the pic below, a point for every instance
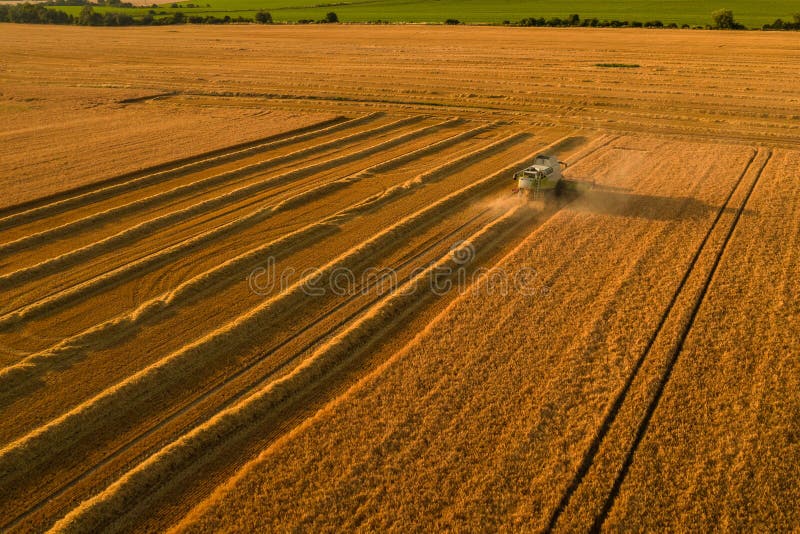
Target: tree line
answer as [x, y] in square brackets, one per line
[28, 13]
[722, 20]
[779, 24]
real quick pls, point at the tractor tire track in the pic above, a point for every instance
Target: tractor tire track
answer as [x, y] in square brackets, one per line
[177, 192]
[619, 400]
[674, 355]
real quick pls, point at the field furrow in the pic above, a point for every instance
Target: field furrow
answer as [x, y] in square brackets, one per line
[265, 397]
[198, 193]
[84, 197]
[236, 289]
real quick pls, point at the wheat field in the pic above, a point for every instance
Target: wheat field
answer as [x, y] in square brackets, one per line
[193, 337]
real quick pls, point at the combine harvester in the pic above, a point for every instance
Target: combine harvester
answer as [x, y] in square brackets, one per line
[545, 176]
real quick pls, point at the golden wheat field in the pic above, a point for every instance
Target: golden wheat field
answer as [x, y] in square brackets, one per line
[274, 279]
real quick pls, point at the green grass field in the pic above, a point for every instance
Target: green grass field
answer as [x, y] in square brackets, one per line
[751, 13]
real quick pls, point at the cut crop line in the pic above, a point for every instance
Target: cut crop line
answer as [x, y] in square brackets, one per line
[189, 288]
[107, 188]
[673, 358]
[72, 257]
[158, 467]
[37, 445]
[241, 371]
[616, 405]
[186, 162]
[341, 323]
[11, 375]
[114, 213]
[125, 237]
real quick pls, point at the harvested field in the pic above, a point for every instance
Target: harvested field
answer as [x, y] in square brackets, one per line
[195, 334]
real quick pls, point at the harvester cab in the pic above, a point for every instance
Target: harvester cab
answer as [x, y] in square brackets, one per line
[543, 176]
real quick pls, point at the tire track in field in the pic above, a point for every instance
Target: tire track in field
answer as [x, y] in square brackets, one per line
[619, 400]
[264, 395]
[185, 408]
[675, 353]
[202, 160]
[152, 200]
[37, 445]
[62, 298]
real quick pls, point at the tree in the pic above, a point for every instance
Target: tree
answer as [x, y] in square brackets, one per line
[88, 17]
[723, 19]
[264, 17]
[452, 22]
[331, 17]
